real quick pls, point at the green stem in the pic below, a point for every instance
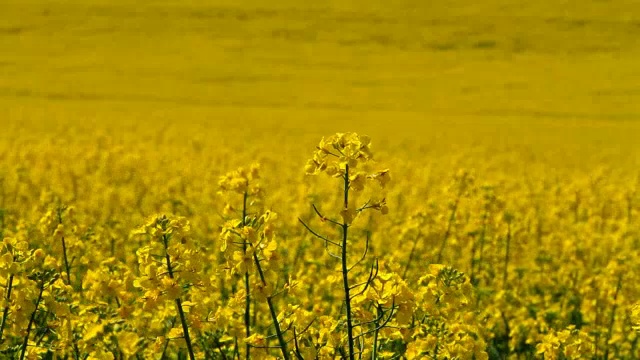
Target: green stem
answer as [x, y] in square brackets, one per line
[411, 254]
[345, 269]
[447, 233]
[613, 317]
[31, 320]
[436, 349]
[166, 342]
[247, 313]
[247, 303]
[183, 319]
[274, 313]
[576, 209]
[596, 334]
[629, 207]
[236, 351]
[483, 237]
[5, 313]
[483, 234]
[185, 329]
[66, 261]
[68, 271]
[506, 257]
[2, 210]
[452, 217]
[376, 324]
[64, 249]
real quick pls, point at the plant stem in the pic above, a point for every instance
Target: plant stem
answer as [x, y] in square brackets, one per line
[596, 334]
[576, 208]
[33, 316]
[411, 254]
[247, 313]
[185, 329]
[447, 233]
[376, 324]
[613, 317]
[183, 319]
[67, 268]
[247, 304]
[5, 313]
[66, 261]
[629, 207]
[166, 342]
[506, 257]
[2, 211]
[483, 235]
[345, 268]
[274, 313]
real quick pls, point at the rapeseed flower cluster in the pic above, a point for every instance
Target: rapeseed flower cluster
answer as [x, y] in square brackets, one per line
[126, 253]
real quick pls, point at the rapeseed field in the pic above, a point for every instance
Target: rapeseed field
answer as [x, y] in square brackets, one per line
[322, 180]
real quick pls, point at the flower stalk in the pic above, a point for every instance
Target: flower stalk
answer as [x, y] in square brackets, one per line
[5, 312]
[183, 319]
[247, 286]
[25, 342]
[345, 269]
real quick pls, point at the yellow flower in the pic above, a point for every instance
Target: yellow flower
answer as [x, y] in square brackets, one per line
[635, 316]
[311, 167]
[337, 151]
[256, 340]
[357, 181]
[267, 250]
[93, 331]
[171, 289]
[175, 333]
[242, 261]
[382, 177]
[128, 342]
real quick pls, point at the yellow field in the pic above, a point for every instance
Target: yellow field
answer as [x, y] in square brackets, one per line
[131, 133]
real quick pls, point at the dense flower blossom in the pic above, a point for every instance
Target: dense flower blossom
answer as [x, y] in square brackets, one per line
[129, 251]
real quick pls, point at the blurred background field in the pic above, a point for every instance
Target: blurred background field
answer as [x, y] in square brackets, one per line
[511, 91]
[542, 75]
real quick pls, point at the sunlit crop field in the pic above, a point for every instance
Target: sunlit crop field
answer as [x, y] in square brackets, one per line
[323, 180]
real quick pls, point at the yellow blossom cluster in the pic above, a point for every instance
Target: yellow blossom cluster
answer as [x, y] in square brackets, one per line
[114, 247]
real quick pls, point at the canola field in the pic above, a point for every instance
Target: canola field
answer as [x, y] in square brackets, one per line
[324, 180]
